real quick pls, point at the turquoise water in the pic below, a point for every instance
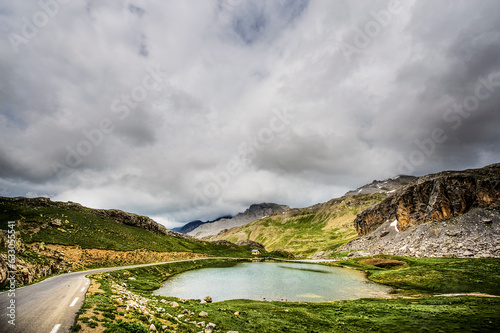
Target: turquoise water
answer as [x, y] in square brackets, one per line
[273, 281]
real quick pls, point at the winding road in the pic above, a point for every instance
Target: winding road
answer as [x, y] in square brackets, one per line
[50, 306]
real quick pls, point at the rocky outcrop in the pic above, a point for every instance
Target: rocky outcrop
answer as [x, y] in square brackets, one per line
[253, 213]
[436, 197]
[473, 234]
[251, 243]
[27, 266]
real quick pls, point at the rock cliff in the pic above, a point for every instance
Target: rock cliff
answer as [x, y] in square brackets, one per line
[436, 197]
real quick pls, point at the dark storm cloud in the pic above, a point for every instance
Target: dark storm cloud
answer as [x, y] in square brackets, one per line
[185, 110]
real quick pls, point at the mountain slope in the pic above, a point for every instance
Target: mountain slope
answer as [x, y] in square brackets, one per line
[307, 231]
[254, 212]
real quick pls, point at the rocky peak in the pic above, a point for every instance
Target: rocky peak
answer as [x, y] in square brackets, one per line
[383, 186]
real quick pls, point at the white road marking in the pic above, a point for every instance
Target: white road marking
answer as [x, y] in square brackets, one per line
[56, 328]
[74, 301]
[83, 289]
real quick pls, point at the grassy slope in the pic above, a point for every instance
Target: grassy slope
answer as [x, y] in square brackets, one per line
[82, 226]
[435, 275]
[322, 227]
[420, 314]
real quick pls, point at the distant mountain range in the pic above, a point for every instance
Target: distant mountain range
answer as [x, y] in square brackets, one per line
[200, 229]
[195, 224]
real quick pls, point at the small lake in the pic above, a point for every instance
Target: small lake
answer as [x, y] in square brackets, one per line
[293, 282]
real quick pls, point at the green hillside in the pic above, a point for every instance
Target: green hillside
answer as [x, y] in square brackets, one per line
[72, 224]
[304, 232]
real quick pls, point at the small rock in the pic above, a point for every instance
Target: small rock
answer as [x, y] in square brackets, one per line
[203, 314]
[211, 325]
[174, 304]
[152, 327]
[56, 222]
[237, 313]
[208, 299]
[201, 324]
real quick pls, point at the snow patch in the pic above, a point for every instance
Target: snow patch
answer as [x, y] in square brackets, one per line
[395, 225]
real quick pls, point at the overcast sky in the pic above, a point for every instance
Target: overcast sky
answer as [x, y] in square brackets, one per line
[184, 110]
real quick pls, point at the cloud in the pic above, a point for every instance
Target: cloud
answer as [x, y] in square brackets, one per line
[184, 110]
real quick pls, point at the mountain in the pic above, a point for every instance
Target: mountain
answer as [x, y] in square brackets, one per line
[452, 213]
[254, 212]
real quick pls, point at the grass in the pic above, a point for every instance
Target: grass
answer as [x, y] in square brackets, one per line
[435, 275]
[403, 314]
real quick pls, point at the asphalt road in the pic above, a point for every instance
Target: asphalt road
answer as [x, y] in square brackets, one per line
[49, 306]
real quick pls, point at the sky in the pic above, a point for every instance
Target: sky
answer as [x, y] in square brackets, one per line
[184, 110]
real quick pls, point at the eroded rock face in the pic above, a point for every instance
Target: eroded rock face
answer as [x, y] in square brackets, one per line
[436, 197]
